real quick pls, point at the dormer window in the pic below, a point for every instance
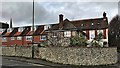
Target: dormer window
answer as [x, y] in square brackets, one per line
[34, 28]
[20, 29]
[9, 30]
[104, 19]
[98, 23]
[47, 27]
[82, 25]
[2, 30]
[92, 24]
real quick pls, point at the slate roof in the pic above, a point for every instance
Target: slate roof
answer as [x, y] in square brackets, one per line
[85, 24]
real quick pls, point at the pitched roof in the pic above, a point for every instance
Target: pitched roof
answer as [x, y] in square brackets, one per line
[15, 30]
[6, 34]
[85, 24]
[39, 30]
[54, 27]
[25, 31]
[29, 33]
[17, 33]
[89, 24]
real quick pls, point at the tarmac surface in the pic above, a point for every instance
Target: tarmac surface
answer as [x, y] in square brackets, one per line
[20, 62]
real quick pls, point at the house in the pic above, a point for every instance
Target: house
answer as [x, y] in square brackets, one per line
[3, 27]
[23, 35]
[65, 29]
[58, 34]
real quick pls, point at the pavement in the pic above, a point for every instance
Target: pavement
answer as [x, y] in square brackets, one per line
[20, 62]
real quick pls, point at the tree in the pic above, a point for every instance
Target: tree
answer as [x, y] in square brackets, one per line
[114, 31]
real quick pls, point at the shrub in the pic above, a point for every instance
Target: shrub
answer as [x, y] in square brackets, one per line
[78, 40]
[96, 42]
[43, 44]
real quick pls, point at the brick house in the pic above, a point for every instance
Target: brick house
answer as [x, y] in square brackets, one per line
[3, 27]
[89, 27]
[57, 33]
[23, 35]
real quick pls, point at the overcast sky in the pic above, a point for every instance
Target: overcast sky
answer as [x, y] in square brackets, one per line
[48, 12]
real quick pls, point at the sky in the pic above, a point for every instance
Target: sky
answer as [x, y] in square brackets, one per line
[48, 12]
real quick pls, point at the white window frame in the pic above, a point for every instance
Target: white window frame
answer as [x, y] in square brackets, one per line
[47, 27]
[35, 27]
[20, 29]
[28, 38]
[92, 34]
[92, 24]
[41, 37]
[19, 38]
[67, 34]
[9, 30]
[12, 38]
[4, 39]
[2, 30]
[99, 31]
[82, 24]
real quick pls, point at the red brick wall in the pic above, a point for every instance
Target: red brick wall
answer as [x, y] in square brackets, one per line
[20, 42]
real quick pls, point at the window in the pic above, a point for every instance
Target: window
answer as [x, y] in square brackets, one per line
[43, 37]
[92, 34]
[104, 19]
[19, 38]
[47, 27]
[82, 25]
[84, 31]
[98, 23]
[99, 31]
[54, 34]
[34, 28]
[4, 39]
[20, 29]
[28, 38]
[67, 34]
[9, 30]
[2, 30]
[12, 38]
[92, 24]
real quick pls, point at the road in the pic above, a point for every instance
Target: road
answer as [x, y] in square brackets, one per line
[9, 63]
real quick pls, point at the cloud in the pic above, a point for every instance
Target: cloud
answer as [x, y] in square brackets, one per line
[81, 10]
[22, 12]
[47, 12]
[60, 0]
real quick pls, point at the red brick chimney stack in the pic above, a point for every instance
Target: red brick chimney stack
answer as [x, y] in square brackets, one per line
[60, 21]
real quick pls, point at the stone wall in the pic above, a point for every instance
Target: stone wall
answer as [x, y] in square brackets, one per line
[67, 55]
[17, 51]
[79, 56]
[58, 40]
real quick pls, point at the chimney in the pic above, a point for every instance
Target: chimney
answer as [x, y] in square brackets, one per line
[104, 15]
[11, 23]
[60, 21]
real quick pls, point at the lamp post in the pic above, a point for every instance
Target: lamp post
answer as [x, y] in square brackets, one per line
[33, 24]
[33, 32]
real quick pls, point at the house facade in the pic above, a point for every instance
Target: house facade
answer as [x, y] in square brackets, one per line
[89, 27]
[22, 36]
[57, 33]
